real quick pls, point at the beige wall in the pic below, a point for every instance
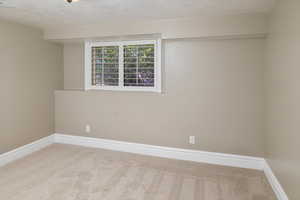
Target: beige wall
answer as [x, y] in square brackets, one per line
[212, 89]
[283, 99]
[204, 26]
[30, 70]
[73, 66]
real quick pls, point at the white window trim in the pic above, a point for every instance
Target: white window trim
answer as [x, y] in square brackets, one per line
[121, 87]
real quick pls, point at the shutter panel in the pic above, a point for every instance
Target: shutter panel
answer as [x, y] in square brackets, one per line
[105, 66]
[139, 64]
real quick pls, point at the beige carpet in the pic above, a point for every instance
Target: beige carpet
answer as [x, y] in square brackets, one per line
[65, 172]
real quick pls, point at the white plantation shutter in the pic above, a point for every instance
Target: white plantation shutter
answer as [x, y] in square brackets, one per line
[139, 65]
[105, 66]
[129, 65]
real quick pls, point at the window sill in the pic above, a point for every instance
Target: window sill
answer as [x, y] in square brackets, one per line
[125, 89]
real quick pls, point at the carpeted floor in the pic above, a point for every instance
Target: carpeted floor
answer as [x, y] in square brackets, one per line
[66, 172]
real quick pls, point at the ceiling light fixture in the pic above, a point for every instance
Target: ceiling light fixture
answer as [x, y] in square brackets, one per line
[5, 4]
[71, 1]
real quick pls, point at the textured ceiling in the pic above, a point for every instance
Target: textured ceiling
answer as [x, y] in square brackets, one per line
[49, 14]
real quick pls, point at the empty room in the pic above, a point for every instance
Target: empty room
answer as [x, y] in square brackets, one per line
[149, 100]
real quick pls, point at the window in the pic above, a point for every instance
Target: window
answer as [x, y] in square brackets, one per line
[127, 65]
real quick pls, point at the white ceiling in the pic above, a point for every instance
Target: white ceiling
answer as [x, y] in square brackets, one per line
[49, 14]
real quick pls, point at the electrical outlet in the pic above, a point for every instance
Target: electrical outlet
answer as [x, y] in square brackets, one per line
[192, 139]
[87, 128]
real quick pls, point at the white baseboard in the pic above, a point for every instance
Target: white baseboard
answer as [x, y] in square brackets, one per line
[276, 186]
[25, 150]
[165, 152]
[159, 151]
